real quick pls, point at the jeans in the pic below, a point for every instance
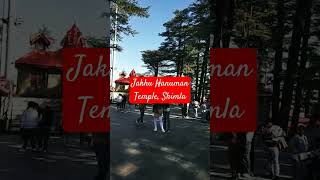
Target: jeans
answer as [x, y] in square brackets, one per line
[273, 161]
[158, 119]
[141, 115]
[28, 135]
[166, 120]
[245, 159]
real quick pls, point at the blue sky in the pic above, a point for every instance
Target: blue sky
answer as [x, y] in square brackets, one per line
[147, 39]
[59, 15]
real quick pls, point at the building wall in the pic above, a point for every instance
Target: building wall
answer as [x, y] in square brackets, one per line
[50, 85]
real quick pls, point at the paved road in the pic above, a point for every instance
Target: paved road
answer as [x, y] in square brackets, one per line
[142, 154]
[137, 153]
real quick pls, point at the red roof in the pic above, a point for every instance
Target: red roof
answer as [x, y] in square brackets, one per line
[42, 59]
[123, 80]
[73, 38]
[132, 73]
[52, 59]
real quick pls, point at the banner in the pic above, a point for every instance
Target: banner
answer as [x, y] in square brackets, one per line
[233, 89]
[159, 90]
[86, 90]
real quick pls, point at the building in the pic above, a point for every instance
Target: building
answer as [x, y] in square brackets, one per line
[39, 76]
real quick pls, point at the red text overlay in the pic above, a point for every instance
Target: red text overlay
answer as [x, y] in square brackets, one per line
[86, 90]
[233, 89]
[159, 90]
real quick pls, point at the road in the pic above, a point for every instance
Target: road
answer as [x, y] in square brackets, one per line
[137, 153]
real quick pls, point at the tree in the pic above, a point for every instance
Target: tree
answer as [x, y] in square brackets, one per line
[153, 59]
[121, 12]
[292, 64]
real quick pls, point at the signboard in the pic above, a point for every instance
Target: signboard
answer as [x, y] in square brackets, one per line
[233, 89]
[86, 90]
[159, 90]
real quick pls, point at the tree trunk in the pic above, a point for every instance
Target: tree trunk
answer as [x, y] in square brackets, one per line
[278, 34]
[203, 72]
[303, 61]
[292, 63]
[197, 77]
[307, 102]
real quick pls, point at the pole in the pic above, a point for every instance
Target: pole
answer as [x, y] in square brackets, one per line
[2, 34]
[8, 40]
[114, 49]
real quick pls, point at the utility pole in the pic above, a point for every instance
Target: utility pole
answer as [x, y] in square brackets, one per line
[10, 24]
[114, 47]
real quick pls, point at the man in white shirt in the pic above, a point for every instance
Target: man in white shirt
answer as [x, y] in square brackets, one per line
[29, 123]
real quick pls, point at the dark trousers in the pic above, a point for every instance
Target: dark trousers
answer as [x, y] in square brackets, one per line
[103, 158]
[141, 115]
[234, 158]
[166, 120]
[43, 138]
[28, 135]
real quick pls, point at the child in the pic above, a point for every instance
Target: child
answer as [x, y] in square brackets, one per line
[157, 110]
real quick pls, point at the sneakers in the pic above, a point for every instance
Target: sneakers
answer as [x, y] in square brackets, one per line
[155, 130]
[163, 131]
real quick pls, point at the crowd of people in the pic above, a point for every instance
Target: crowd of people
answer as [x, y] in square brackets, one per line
[161, 114]
[35, 127]
[301, 141]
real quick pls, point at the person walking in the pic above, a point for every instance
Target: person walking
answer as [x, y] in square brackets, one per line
[119, 102]
[299, 144]
[273, 137]
[44, 126]
[124, 102]
[196, 106]
[245, 142]
[233, 154]
[29, 123]
[142, 108]
[166, 117]
[157, 110]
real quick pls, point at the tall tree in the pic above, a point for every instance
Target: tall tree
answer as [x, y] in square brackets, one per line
[153, 60]
[278, 35]
[292, 64]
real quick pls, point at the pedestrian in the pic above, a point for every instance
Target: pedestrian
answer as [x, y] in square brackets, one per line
[166, 117]
[245, 142]
[124, 102]
[299, 144]
[119, 101]
[101, 147]
[196, 106]
[29, 123]
[157, 110]
[273, 138]
[45, 126]
[233, 154]
[204, 110]
[142, 108]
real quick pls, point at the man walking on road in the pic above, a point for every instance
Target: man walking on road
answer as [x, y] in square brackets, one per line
[142, 108]
[272, 136]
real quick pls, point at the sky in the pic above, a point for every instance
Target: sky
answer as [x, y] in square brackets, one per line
[59, 15]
